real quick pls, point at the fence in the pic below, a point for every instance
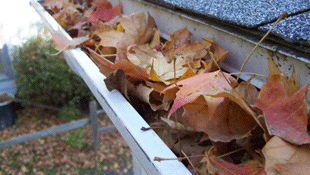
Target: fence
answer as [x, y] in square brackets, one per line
[93, 120]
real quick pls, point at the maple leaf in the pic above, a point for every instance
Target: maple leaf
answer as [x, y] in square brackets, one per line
[63, 43]
[290, 85]
[177, 39]
[218, 53]
[68, 16]
[284, 117]
[212, 106]
[247, 91]
[105, 11]
[141, 55]
[117, 80]
[106, 67]
[165, 70]
[283, 157]
[207, 83]
[139, 29]
[232, 169]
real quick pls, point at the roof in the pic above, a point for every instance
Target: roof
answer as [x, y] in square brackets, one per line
[256, 16]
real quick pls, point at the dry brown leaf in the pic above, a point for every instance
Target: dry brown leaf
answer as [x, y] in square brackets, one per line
[248, 92]
[117, 80]
[141, 55]
[135, 72]
[68, 17]
[222, 119]
[177, 39]
[280, 155]
[139, 29]
[165, 70]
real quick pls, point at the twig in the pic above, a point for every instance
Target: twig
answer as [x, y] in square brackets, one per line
[211, 55]
[249, 73]
[227, 154]
[190, 162]
[179, 158]
[166, 128]
[108, 55]
[246, 60]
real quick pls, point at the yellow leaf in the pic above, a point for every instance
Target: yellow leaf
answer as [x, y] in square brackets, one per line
[120, 28]
[153, 75]
[189, 73]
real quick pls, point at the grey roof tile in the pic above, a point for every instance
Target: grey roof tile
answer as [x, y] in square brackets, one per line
[247, 13]
[293, 29]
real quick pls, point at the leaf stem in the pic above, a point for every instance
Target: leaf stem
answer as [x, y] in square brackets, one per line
[179, 158]
[246, 60]
[249, 73]
[166, 128]
[227, 154]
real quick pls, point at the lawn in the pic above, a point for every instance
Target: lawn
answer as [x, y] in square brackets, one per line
[66, 153]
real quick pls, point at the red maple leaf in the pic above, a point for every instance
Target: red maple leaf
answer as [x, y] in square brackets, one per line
[105, 11]
[232, 169]
[285, 117]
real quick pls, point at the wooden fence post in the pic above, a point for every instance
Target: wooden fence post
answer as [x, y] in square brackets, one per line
[94, 123]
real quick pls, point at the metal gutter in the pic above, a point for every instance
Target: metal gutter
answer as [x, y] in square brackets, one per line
[145, 146]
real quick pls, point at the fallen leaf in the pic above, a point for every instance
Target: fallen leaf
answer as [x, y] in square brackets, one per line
[117, 80]
[165, 70]
[213, 83]
[285, 117]
[247, 91]
[203, 97]
[68, 16]
[141, 55]
[177, 39]
[176, 125]
[139, 29]
[63, 43]
[293, 168]
[106, 67]
[53, 6]
[228, 168]
[156, 39]
[218, 53]
[281, 155]
[105, 11]
[191, 51]
[291, 85]
[222, 119]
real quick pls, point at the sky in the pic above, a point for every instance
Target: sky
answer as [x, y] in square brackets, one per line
[16, 16]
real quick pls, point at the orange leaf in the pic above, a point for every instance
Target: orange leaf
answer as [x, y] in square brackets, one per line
[105, 66]
[208, 84]
[223, 119]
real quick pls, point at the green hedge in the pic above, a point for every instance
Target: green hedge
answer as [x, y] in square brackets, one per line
[46, 79]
